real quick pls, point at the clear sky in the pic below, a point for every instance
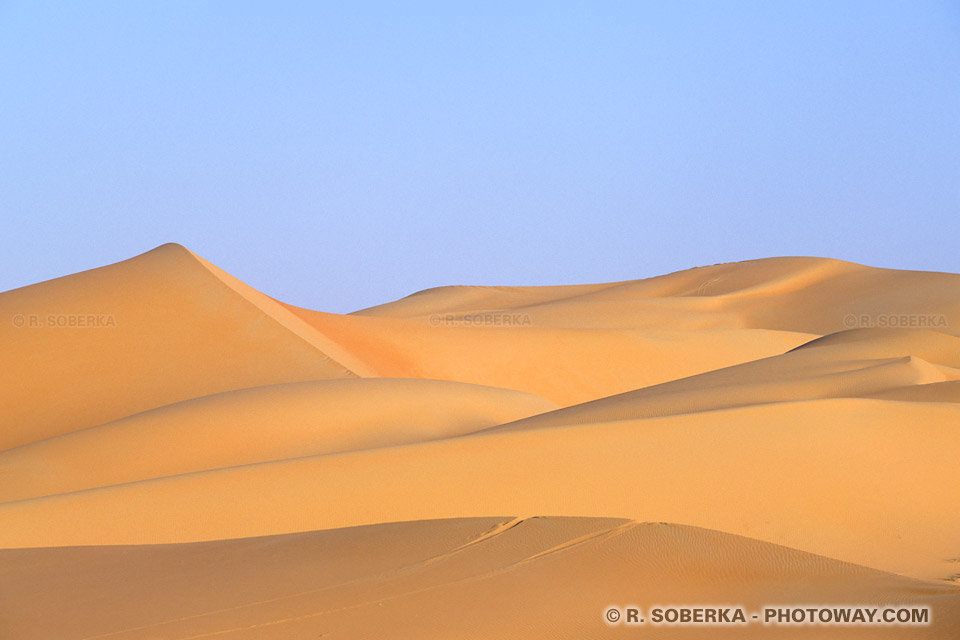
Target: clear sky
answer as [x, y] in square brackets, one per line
[336, 155]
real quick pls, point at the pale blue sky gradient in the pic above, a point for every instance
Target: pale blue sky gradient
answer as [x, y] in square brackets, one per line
[340, 155]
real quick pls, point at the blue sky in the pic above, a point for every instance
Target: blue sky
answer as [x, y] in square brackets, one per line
[339, 155]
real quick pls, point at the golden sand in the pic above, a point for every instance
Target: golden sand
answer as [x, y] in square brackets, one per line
[183, 456]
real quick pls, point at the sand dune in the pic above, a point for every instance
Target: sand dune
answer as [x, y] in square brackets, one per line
[564, 365]
[158, 329]
[850, 479]
[258, 425]
[933, 392]
[471, 578]
[278, 472]
[806, 295]
[859, 363]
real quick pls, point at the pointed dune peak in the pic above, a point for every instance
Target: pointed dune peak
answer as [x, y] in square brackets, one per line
[159, 328]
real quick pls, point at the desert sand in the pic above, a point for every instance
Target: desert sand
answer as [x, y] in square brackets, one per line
[182, 456]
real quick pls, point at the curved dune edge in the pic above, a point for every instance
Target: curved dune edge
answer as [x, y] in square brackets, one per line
[860, 363]
[933, 392]
[848, 479]
[259, 425]
[464, 578]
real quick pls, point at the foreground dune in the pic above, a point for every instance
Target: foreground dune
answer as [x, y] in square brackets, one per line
[182, 456]
[865, 481]
[472, 578]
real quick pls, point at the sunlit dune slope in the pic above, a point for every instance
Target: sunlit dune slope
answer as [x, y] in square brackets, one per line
[159, 328]
[866, 481]
[466, 578]
[886, 363]
[257, 425]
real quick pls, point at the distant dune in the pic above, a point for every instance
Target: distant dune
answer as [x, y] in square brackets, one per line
[182, 456]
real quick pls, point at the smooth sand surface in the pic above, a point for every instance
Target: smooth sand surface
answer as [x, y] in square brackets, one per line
[565, 365]
[465, 578]
[859, 363]
[866, 481]
[261, 424]
[182, 456]
[807, 295]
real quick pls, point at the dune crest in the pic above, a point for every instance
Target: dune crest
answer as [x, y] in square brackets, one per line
[801, 295]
